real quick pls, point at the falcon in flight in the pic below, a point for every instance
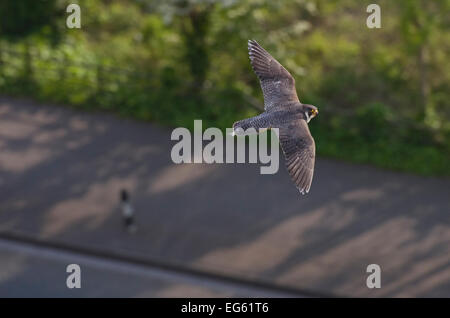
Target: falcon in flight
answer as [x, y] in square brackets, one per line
[283, 110]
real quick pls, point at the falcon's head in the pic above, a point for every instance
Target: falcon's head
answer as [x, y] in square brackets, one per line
[310, 112]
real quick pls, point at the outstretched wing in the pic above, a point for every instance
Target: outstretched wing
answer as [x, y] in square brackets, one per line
[277, 84]
[300, 151]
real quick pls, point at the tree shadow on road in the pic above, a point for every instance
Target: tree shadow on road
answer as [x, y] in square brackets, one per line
[61, 172]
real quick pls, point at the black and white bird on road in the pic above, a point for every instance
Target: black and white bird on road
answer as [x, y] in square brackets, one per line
[283, 110]
[127, 212]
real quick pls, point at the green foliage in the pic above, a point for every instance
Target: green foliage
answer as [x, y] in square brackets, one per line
[21, 18]
[382, 93]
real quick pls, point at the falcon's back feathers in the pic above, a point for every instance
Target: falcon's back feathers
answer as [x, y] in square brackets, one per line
[277, 84]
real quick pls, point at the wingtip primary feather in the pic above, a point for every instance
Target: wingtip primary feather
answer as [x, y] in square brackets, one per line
[303, 191]
[252, 44]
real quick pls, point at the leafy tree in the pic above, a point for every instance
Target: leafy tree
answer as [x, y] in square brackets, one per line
[382, 93]
[21, 18]
[419, 21]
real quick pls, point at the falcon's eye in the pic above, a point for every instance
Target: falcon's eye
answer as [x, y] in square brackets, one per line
[313, 112]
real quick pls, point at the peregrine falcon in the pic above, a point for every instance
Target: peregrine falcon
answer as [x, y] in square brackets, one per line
[283, 110]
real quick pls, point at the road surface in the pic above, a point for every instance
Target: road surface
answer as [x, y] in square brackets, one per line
[61, 171]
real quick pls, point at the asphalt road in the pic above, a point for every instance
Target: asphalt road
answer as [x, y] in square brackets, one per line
[30, 270]
[61, 171]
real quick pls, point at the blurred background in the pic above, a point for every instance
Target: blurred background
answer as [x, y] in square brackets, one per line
[87, 112]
